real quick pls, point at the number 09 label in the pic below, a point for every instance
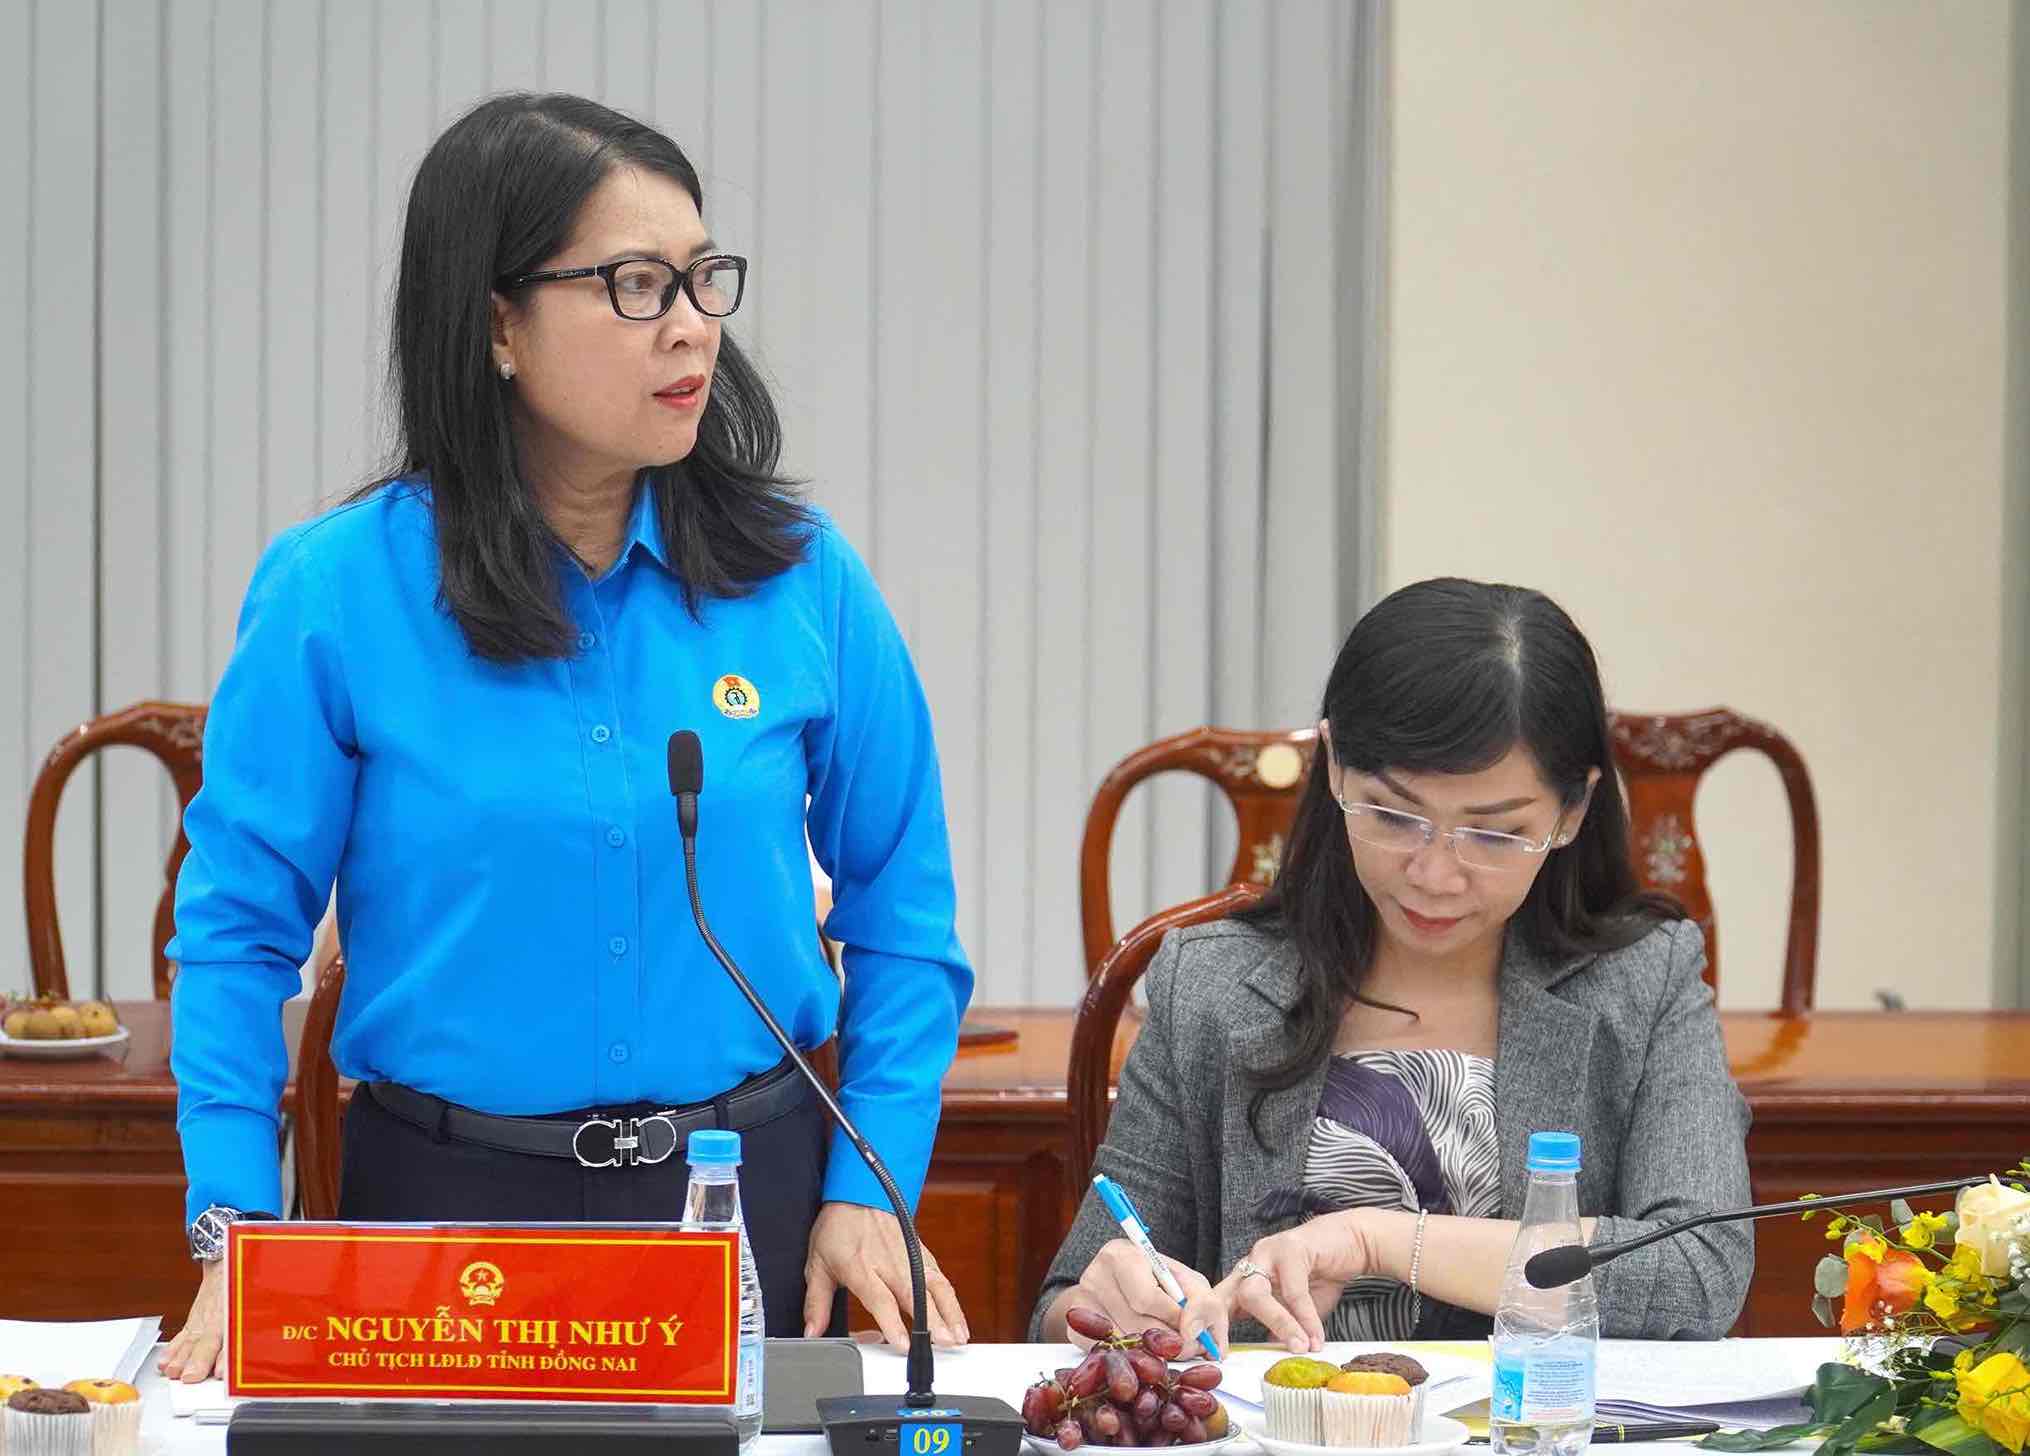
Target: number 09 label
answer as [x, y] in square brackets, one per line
[932, 1438]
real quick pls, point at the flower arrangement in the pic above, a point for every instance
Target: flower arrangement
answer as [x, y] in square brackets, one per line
[1935, 1309]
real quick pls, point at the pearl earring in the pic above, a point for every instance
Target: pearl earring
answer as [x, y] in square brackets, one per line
[507, 370]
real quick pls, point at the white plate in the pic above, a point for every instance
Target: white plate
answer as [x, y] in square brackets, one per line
[1441, 1435]
[1046, 1446]
[57, 1051]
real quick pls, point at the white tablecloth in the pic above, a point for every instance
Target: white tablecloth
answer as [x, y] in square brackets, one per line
[1003, 1370]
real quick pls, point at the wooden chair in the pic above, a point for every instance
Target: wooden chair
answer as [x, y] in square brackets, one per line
[1261, 775]
[317, 1133]
[1661, 757]
[174, 733]
[1089, 1077]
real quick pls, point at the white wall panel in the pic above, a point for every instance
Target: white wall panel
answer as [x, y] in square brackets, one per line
[19, 751]
[134, 352]
[1044, 289]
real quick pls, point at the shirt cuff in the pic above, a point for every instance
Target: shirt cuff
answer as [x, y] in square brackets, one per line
[231, 1157]
[904, 1144]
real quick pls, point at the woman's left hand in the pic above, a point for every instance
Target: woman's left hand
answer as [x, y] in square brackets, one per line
[1285, 1281]
[860, 1249]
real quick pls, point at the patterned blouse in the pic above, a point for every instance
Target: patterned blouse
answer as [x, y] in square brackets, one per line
[1401, 1129]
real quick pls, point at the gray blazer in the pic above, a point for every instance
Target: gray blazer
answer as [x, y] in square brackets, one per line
[1622, 1048]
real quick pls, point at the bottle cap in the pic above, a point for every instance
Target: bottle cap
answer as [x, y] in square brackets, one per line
[716, 1148]
[1550, 1152]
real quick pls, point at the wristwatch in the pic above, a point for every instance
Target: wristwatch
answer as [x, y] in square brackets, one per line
[208, 1231]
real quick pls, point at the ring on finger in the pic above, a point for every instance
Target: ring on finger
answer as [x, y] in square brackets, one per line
[1249, 1269]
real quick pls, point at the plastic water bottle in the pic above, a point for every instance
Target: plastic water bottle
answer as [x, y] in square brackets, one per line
[1545, 1340]
[713, 1202]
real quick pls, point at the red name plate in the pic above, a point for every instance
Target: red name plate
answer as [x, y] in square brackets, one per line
[438, 1312]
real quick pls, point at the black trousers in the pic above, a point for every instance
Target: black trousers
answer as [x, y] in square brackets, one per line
[396, 1172]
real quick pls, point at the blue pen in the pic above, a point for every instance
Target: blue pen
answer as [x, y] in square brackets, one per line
[1115, 1198]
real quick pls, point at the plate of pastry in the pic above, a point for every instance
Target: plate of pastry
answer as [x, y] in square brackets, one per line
[52, 1028]
[100, 1416]
[1374, 1403]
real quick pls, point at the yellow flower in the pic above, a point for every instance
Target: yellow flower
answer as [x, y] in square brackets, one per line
[1995, 1399]
[1965, 1264]
[1939, 1299]
[1872, 1246]
[1923, 1231]
[1963, 1362]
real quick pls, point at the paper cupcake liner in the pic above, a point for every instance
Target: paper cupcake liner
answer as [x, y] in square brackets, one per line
[32, 1434]
[116, 1429]
[1291, 1415]
[1369, 1420]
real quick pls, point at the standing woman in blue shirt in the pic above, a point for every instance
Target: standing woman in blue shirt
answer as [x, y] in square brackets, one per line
[451, 695]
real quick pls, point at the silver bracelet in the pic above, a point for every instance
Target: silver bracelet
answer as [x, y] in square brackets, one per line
[1416, 1267]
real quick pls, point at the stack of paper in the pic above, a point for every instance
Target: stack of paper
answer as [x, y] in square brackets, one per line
[1730, 1382]
[55, 1352]
[204, 1401]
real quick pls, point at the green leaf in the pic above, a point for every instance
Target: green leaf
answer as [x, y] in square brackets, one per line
[2015, 1340]
[1901, 1212]
[1823, 1308]
[1950, 1433]
[1841, 1390]
[1874, 1221]
[1770, 1440]
[1830, 1277]
[1875, 1410]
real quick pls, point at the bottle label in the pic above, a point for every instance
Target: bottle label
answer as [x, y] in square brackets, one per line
[750, 1378]
[1551, 1385]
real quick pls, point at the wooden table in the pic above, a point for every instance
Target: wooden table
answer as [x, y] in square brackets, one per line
[91, 1180]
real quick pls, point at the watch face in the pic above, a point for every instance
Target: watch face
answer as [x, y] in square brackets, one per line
[208, 1233]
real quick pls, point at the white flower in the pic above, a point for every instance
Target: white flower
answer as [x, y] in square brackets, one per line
[1996, 1221]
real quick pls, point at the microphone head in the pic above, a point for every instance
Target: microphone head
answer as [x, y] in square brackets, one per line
[1554, 1268]
[687, 763]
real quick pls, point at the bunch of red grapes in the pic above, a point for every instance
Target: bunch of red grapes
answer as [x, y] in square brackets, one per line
[1124, 1392]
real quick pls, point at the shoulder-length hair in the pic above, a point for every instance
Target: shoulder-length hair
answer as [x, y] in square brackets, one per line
[499, 193]
[1447, 676]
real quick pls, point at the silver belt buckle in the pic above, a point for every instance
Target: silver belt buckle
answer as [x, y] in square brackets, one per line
[628, 1140]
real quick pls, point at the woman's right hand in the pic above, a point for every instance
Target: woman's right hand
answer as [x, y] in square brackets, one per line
[199, 1350]
[1118, 1283]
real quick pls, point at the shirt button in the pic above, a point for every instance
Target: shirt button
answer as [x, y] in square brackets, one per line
[600, 733]
[615, 838]
[618, 945]
[585, 640]
[618, 1051]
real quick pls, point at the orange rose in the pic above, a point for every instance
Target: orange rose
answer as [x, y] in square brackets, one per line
[1878, 1289]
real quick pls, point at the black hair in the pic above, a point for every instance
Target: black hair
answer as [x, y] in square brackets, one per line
[499, 193]
[1447, 676]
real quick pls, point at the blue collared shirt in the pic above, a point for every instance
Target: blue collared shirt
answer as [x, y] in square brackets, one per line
[510, 879]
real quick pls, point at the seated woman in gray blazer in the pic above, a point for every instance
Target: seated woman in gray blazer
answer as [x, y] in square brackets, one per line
[1328, 1106]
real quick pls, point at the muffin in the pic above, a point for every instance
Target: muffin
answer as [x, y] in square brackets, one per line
[48, 1423]
[1293, 1398]
[9, 1384]
[1388, 1362]
[1368, 1408]
[116, 1415]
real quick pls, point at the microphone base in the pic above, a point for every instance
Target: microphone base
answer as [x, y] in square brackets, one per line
[871, 1425]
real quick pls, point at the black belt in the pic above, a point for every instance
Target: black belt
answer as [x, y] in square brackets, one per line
[601, 1142]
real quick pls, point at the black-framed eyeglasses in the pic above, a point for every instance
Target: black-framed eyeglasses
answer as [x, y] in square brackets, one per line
[645, 288]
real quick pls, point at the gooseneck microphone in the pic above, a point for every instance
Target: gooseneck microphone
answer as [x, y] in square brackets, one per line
[1570, 1262]
[687, 781]
[851, 1422]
